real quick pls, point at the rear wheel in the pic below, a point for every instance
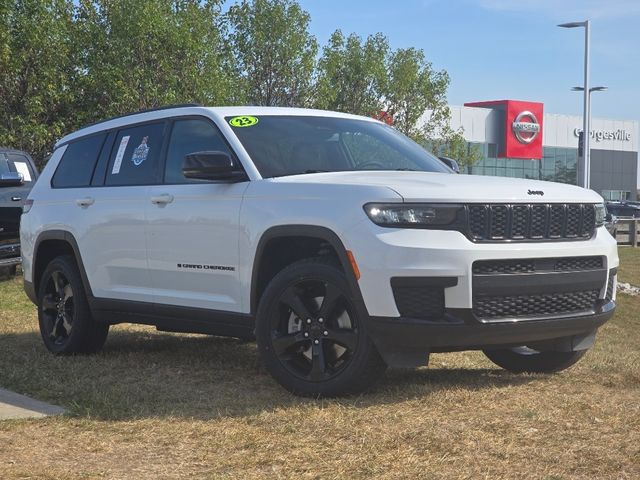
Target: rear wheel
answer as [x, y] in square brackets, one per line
[66, 324]
[310, 335]
[528, 360]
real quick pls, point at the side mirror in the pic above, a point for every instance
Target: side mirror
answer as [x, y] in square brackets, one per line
[11, 179]
[451, 163]
[211, 165]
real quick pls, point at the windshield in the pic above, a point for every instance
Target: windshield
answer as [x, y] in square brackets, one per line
[291, 145]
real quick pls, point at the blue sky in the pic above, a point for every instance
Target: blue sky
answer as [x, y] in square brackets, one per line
[497, 49]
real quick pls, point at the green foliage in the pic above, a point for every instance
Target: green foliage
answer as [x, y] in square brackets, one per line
[66, 63]
[413, 88]
[274, 51]
[37, 73]
[367, 77]
[146, 53]
[451, 143]
[352, 74]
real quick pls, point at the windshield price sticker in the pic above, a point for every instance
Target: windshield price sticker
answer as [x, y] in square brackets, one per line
[243, 121]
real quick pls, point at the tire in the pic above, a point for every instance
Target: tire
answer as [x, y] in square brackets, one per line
[310, 337]
[65, 320]
[527, 360]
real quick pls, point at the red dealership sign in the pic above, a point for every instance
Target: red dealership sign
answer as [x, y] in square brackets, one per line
[522, 128]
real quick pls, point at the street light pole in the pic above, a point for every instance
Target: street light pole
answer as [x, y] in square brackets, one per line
[585, 111]
[588, 116]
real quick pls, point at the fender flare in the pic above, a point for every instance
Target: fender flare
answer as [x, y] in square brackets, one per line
[67, 237]
[312, 231]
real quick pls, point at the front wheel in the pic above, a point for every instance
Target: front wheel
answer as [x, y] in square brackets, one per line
[528, 360]
[310, 336]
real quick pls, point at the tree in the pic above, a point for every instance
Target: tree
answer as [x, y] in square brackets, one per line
[274, 51]
[352, 74]
[451, 143]
[37, 79]
[367, 77]
[413, 87]
[148, 53]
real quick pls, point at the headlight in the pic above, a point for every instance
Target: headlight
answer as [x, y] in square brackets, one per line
[416, 215]
[601, 214]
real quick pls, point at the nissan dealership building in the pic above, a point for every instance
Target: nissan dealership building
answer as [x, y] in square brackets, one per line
[517, 139]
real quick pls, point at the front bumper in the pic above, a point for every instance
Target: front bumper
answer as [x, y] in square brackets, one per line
[386, 253]
[407, 342]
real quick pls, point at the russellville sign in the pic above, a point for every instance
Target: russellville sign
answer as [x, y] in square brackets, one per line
[522, 127]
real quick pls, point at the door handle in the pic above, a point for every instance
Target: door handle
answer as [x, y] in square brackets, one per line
[85, 202]
[16, 199]
[162, 199]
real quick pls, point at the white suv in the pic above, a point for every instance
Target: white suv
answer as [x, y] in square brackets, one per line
[339, 243]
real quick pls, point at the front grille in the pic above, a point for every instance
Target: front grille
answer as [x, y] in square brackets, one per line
[529, 288]
[420, 301]
[522, 222]
[549, 304]
[578, 263]
[531, 265]
[492, 267]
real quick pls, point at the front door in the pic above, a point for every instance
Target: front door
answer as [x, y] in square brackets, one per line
[192, 227]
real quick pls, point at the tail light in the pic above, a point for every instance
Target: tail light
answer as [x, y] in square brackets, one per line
[27, 206]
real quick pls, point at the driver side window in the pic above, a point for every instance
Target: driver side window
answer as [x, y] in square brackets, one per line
[190, 136]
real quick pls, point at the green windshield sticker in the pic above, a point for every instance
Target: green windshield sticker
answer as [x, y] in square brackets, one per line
[244, 121]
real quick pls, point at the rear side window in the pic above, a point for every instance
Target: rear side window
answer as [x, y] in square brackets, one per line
[190, 136]
[77, 163]
[135, 157]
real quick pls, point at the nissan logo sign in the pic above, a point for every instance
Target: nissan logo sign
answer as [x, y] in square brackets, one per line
[526, 127]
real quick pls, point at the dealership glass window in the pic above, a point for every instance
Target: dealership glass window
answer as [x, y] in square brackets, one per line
[556, 165]
[615, 195]
[492, 150]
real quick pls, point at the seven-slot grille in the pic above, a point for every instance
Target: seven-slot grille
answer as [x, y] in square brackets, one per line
[539, 221]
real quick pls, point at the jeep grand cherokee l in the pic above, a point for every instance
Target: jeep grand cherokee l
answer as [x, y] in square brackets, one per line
[341, 244]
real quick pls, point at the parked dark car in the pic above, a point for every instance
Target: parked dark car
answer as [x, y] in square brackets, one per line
[624, 209]
[18, 173]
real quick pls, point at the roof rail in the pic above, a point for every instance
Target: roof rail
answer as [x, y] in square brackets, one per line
[165, 107]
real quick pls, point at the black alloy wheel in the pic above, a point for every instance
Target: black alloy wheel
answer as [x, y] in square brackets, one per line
[313, 333]
[58, 308]
[66, 323]
[310, 335]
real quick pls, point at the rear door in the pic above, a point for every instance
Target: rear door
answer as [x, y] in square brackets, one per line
[113, 243]
[193, 226]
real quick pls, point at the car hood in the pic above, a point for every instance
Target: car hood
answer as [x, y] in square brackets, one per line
[445, 187]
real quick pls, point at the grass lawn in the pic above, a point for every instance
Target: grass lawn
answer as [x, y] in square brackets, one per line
[157, 405]
[629, 270]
